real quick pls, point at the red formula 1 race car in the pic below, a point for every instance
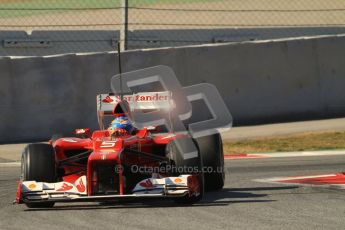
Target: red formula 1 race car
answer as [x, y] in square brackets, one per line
[108, 165]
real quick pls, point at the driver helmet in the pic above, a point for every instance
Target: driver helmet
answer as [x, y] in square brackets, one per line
[122, 122]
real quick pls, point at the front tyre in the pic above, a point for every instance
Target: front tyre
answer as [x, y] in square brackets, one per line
[38, 164]
[211, 151]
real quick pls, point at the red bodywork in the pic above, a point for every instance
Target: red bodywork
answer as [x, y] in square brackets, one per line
[108, 150]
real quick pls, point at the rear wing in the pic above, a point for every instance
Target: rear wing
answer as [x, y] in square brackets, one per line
[140, 101]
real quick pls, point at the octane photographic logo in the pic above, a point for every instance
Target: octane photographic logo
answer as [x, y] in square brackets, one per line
[177, 118]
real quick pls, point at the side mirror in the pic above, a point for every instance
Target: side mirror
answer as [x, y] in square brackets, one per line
[83, 133]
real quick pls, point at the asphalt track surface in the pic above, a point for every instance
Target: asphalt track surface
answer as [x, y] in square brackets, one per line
[242, 204]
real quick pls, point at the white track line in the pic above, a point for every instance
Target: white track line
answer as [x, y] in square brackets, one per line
[283, 180]
[289, 154]
[336, 186]
[305, 154]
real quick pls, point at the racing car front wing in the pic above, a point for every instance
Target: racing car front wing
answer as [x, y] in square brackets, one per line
[32, 191]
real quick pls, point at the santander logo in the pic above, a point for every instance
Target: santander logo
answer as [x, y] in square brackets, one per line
[81, 186]
[65, 187]
[147, 184]
[107, 100]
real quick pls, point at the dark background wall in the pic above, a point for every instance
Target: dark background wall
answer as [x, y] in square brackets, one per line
[261, 82]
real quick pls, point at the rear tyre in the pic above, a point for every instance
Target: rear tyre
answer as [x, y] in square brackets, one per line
[38, 164]
[211, 151]
[188, 166]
